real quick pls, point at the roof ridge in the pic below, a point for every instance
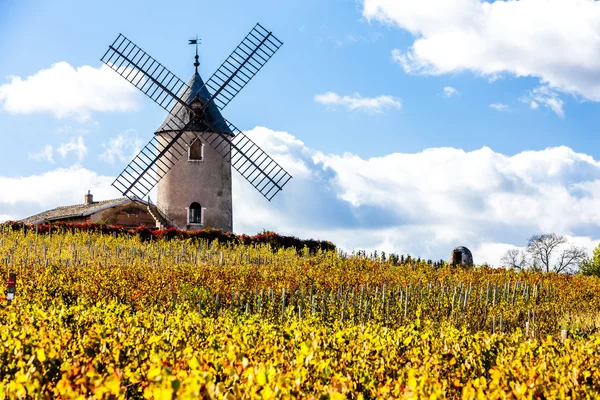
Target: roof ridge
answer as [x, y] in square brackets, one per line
[77, 209]
[83, 204]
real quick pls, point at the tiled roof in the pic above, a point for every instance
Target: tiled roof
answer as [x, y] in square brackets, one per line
[212, 116]
[77, 210]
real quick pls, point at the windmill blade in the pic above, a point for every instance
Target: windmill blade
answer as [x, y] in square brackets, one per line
[148, 75]
[165, 89]
[156, 159]
[151, 164]
[252, 162]
[242, 64]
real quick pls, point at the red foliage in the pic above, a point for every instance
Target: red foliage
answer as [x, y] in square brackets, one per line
[272, 239]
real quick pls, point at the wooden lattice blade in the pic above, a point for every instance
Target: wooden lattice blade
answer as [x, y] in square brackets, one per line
[252, 162]
[148, 75]
[242, 64]
[152, 163]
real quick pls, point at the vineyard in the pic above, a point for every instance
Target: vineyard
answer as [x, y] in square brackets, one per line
[100, 315]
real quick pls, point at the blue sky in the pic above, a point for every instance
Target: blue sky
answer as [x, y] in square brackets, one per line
[427, 80]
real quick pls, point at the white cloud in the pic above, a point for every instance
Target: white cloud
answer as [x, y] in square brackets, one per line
[64, 91]
[556, 41]
[4, 218]
[547, 97]
[356, 102]
[482, 199]
[75, 145]
[352, 39]
[499, 107]
[121, 148]
[21, 197]
[45, 154]
[449, 91]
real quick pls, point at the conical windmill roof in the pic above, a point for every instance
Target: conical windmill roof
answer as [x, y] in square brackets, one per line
[212, 116]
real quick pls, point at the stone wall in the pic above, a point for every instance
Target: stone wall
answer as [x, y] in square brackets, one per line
[207, 182]
[129, 215]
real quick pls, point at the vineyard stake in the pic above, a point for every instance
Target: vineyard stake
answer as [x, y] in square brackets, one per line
[406, 303]
[282, 304]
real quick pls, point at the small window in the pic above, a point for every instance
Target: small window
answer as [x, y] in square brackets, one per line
[196, 150]
[195, 214]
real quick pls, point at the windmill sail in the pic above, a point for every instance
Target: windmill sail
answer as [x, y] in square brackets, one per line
[151, 164]
[148, 75]
[172, 94]
[156, 159]
[242, 64]
[252, 162]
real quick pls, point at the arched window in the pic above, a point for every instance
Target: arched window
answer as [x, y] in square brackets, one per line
[195, 213]
[196, 150]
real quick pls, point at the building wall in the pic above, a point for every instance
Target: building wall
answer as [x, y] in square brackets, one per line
[207, 182]
[129, 215]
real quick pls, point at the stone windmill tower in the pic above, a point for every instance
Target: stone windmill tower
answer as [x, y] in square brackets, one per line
[191, 155]
[201, 179]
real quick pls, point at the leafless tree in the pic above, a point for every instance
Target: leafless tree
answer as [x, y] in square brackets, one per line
[569, 259]
[543, 247]
[515, 259]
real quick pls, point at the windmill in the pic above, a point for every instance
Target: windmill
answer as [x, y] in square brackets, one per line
[194, 180]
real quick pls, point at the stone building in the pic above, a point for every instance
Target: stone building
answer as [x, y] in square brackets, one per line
[196, 192]
[461, 256]
[122, 211]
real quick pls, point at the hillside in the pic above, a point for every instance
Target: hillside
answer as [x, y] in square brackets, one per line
[119, 315]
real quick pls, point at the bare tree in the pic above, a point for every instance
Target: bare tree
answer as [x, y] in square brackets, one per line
[570, 258]
[543, 247]
[515, 259]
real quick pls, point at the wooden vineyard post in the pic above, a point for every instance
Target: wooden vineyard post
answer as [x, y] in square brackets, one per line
[282, 305]
[12, 283]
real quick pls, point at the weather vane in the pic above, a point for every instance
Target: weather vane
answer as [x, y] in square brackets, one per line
[196, 42]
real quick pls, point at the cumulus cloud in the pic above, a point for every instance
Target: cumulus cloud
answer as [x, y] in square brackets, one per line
[65, 91]
[45, 154]
[4, 218]
[449, 91]
[76, 145]
[23, 196]
[356, 102]
[122, 147]
[499, 107]
[482, 199]
[556, 41]
[422, 203]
